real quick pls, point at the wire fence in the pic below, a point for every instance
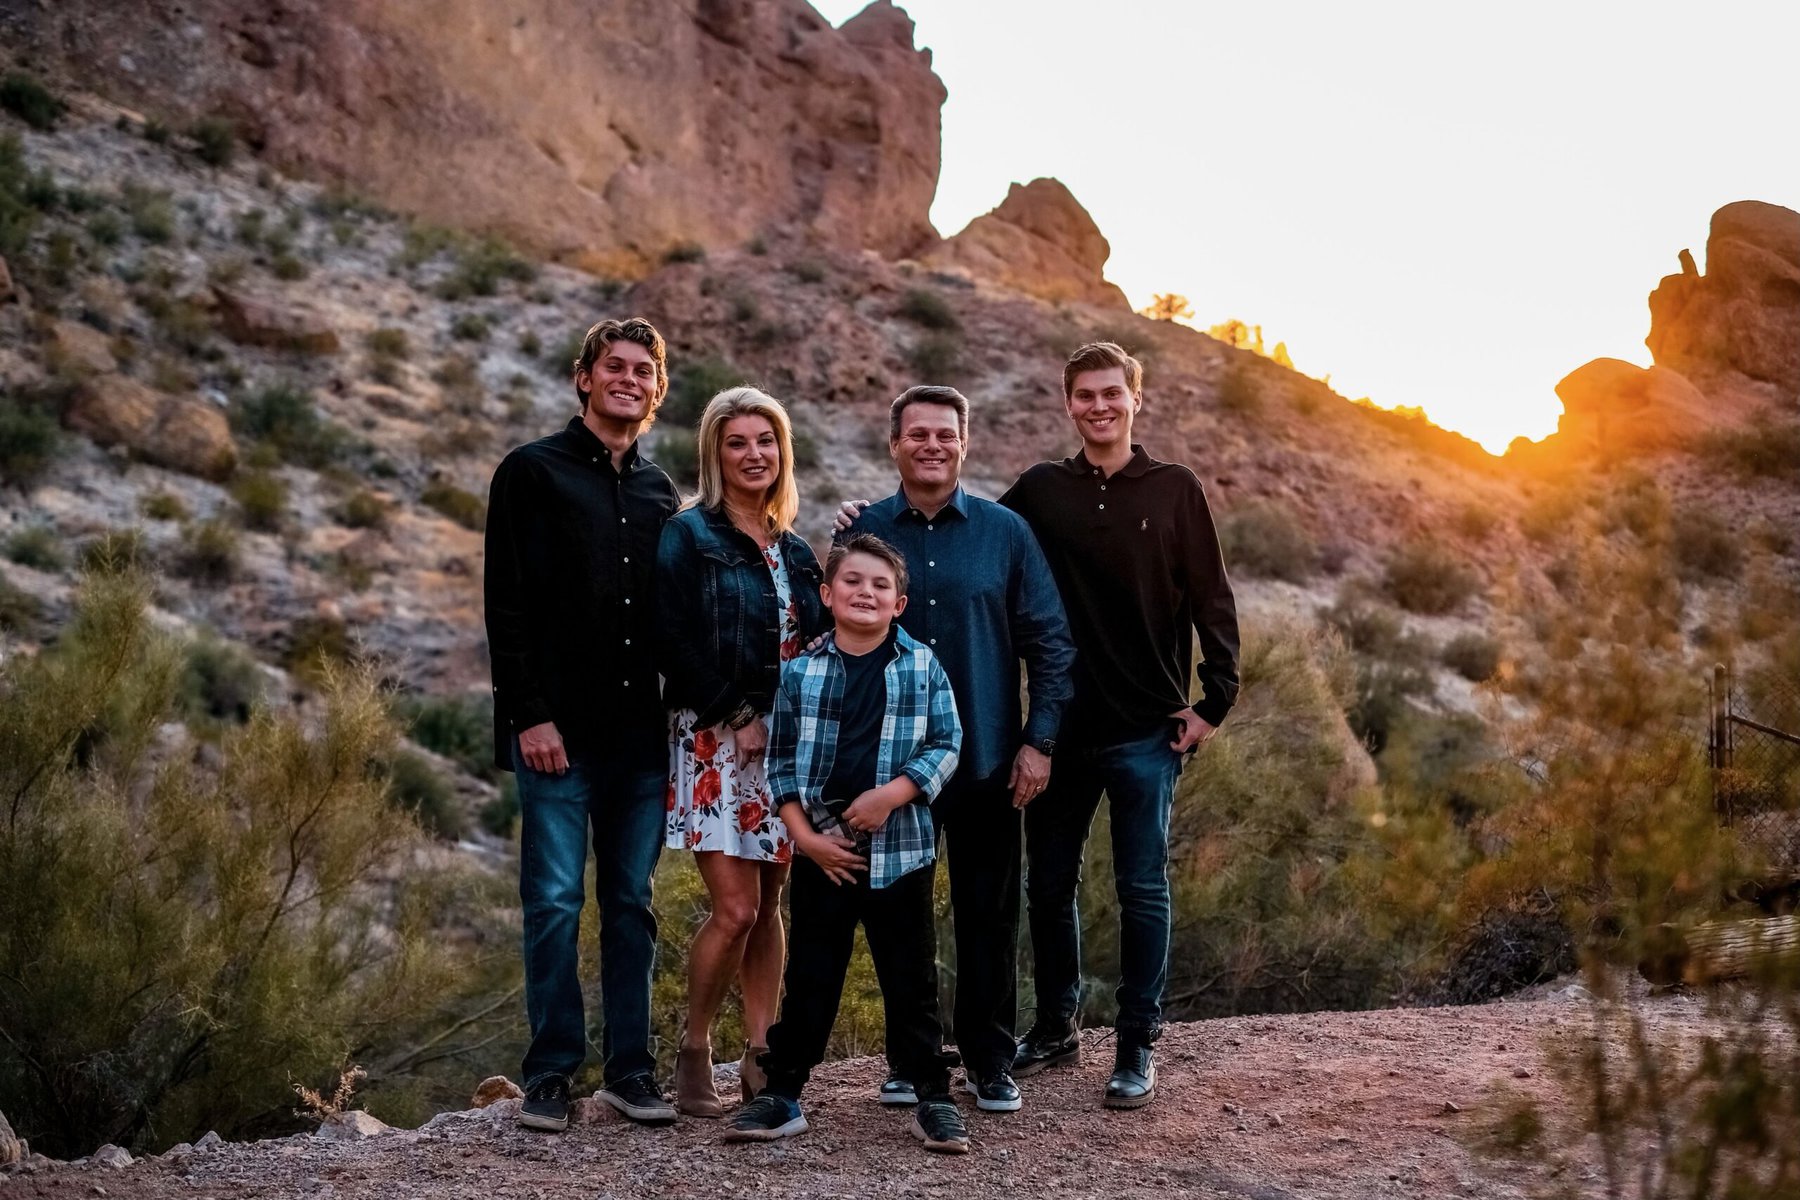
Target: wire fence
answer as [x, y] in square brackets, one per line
[1753, 745]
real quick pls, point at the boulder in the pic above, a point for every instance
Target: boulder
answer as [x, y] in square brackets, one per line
[80, 349]
[111, 1156]
[11, 1149]
[351, 1125]
[1740, 321]
[604, 132]
[1039, 241]
[253, 320]
[495, 1087]
[1615, 408]
[184, 433]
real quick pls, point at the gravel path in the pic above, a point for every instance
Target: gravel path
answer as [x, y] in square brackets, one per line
[1322, 1106]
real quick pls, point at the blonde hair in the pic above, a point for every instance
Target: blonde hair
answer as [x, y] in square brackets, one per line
[781, 502]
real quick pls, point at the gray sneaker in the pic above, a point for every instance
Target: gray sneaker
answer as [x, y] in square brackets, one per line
[638, 1097]
[898, 1091]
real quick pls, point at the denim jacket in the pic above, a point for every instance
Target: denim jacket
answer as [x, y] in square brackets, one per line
[719, 631]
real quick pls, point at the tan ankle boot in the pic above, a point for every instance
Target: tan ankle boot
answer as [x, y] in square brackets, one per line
[751, 1077]
[694, 1092]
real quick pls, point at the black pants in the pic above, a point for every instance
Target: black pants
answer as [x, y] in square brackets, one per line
[982, 834]
[903, 942]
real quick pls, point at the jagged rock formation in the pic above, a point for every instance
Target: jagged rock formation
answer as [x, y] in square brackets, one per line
[1039, 241]
[1739, 323]
[602, 133]
[1615, 408]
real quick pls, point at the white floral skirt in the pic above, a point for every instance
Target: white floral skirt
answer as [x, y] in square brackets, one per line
[713, 802]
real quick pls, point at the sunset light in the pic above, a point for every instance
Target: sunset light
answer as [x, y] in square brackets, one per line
[1435, 206]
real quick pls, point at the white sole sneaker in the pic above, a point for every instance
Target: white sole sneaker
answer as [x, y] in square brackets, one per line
[897, 1097]
[652, 1114]
[796, 1126]
[986, 1105]
[548, 1124]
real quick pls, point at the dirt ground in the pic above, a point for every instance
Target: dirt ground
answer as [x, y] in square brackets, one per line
[1325, 1106]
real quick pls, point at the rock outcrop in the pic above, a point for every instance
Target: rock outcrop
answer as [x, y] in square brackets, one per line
[11, 1149]
[181, 432]
[1614, 408]
[1039, 241]
[1740, 321]
[603, 133]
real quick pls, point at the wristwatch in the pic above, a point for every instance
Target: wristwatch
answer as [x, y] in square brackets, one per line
[1046, 746]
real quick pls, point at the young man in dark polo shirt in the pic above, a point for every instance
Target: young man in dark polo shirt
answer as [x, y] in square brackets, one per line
[573, 523]
[1132, 545]
[981, 598]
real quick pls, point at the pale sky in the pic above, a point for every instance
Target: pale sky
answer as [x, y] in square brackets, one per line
[1439, 204]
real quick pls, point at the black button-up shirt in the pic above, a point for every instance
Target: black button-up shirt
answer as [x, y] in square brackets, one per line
[1137, 559]
[571, 566]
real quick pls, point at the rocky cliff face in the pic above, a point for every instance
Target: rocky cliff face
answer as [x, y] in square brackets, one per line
[1039, 241]
[1736, 329]
[602, 132]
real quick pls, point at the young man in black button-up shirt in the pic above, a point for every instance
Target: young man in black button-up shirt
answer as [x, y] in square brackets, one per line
[573, 523]
[1131, 543]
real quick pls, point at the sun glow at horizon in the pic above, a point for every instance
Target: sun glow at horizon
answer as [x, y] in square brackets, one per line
[1443, 208]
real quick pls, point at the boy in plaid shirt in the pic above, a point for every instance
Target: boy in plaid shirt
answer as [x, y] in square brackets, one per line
[863, 737]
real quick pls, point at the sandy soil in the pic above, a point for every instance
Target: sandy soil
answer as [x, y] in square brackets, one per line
[1326, 1106]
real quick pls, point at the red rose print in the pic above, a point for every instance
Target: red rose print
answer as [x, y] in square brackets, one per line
[694, 836]
[706, 744]
[706, 789]
[750, 815]
[784, 852]
[669, 798]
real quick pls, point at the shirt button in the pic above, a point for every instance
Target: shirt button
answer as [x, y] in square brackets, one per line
[929, 528]
[596, 460]
[621, 520]
[628, 683]
[628, 641]
[1102, 506]
[628, 558]
[628, 598]
[934, 641]
[934, 603]
[932, 563]
[1103, 487]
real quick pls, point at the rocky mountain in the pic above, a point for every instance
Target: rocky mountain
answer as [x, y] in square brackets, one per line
[602, 132]
[1039, 241]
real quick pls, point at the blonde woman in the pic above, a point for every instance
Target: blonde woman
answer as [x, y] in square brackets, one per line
[737, 596]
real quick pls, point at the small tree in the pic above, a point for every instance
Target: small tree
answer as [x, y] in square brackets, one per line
[1168, 306]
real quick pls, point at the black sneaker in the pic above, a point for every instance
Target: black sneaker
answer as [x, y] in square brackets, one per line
[1133, 1082]
[766, 1119]
[1047, 1045]
[546, 1105]
[898, 1091]
[993, 1092]
[940, 1126]
[638, 1097]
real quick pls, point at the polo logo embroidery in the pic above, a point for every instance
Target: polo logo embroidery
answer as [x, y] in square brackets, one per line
[1145, 524]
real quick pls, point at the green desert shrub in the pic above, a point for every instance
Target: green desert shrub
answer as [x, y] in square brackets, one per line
[459, 728]
[685, 252]
[1476, 520]
[500, 816]
[1423, 577]
[936, 357]
[37, 547]
[1266, 540]
[417, 788]
[183, 942]
[469, 327]
[465, 508]
[25, 97]
[678, 453]
[1474, 656]
[215, 141]
[29, 441]
[692, 385]
[363, 510]
[1704, 547]
[481, 267]
[928, 310]
[209, 553]
[1240, 392]
[262, 500]
[19, 609]
[282, 417]
[1769, 449]
[317, 645]
[116, 552]
[150, 212]
[221, 683]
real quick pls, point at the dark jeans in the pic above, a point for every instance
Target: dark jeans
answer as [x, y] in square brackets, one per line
[897, 920]
[982, 833]
[1138, 778]
[622, 801]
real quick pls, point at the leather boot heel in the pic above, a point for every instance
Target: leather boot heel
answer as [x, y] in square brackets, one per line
[694, 1092]
[751, 1077]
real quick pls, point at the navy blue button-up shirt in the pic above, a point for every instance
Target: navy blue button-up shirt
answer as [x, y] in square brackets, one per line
[980, 596]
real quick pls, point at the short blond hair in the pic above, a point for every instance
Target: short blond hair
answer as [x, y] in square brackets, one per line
[781, 502]
[1102, 356]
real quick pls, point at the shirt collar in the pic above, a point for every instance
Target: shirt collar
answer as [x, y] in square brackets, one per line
[956, 504]
[1138, 464]
[593, 447]
[891, 644]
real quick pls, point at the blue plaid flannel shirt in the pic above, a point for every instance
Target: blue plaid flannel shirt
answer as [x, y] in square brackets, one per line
[920, 738]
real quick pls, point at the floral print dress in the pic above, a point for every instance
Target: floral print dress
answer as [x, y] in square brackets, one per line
[714, 801]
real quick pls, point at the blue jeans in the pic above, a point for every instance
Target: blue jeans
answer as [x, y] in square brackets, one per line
[624, 806]
[1138, 778]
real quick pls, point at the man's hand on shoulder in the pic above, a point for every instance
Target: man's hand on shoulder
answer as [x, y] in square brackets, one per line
[541, 747]
[847, 514]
